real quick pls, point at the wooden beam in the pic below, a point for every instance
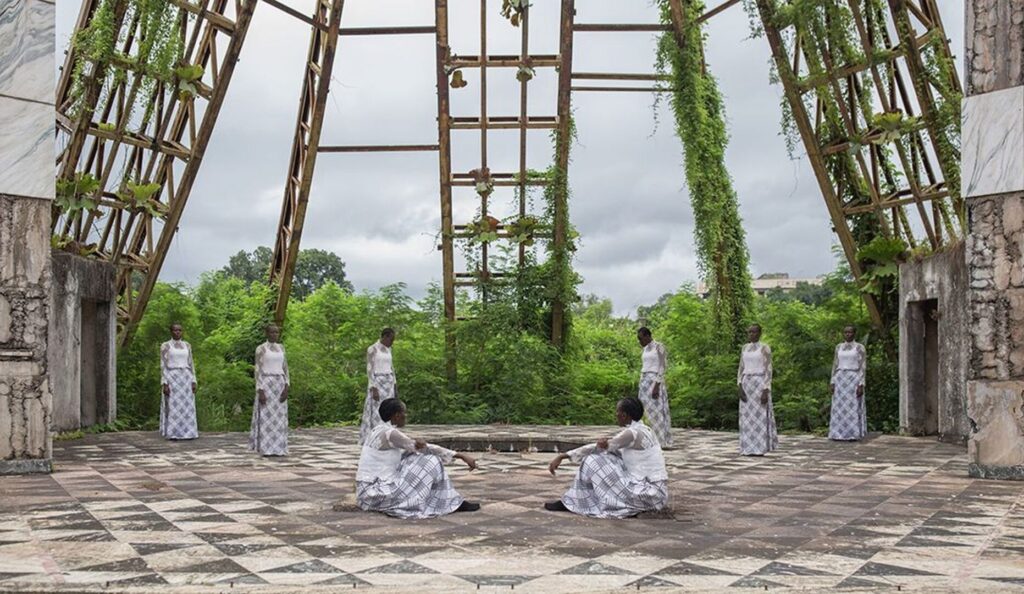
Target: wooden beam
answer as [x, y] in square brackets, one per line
[622, 89]
[612, 27]
[618, 76]
[323, 47]
[442, 53]
[292, 12]
[562, 145]
[350, 31]
[379, 148]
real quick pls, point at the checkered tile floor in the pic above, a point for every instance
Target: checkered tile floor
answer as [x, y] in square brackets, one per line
[131, 512]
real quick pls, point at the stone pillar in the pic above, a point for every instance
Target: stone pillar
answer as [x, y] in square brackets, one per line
[993, 184]
[26, 195]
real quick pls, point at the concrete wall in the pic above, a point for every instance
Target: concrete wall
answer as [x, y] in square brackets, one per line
[82, 354]
[942, 277]
[26, 194]
[993, 183]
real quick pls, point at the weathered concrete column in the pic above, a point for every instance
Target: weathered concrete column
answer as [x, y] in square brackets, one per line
[993, 182]
[26, 194]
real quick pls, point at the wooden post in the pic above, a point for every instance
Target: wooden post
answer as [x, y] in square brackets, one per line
[562, 145]
[444, 161]
[316, 84]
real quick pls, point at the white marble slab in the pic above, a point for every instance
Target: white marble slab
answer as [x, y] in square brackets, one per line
[992, 143]
[26, 148]
[27, 41]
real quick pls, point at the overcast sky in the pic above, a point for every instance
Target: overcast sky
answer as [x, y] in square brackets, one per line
[380, 212]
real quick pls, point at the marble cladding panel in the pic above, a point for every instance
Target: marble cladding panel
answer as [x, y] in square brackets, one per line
[26, 148]
[993, 143]
[27, 41]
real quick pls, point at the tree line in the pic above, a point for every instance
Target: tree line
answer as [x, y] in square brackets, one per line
[507, 371]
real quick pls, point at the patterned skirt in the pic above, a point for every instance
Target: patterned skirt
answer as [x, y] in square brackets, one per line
[269, 433]
[420, 489]
[849, 420]
[758, 435]
[658, 416]
[385, 384]
[178, 410]
[604, 489]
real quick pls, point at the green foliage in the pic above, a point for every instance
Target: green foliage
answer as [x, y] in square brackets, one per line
[508, 370]
[153, 27]
[881, 257]
[73, 195]
[700, 123]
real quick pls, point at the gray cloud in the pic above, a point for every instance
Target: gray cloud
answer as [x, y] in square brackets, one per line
[380, 212]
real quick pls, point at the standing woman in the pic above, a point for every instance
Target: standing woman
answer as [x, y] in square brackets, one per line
[269, 433]
[758, 435]
[849, 420]
[653, 394]
[178, 379]
[380, 385]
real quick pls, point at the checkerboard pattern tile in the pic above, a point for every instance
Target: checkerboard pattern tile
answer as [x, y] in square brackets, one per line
[130, 512]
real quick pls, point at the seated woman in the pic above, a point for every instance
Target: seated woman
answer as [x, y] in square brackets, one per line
[403, 477]
[618, 477]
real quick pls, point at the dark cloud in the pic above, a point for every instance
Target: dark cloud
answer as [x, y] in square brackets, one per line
[380, 212]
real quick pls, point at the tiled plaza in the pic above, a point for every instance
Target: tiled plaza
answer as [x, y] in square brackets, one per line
[129, 512]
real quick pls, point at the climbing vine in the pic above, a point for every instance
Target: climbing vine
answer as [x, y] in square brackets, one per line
[533, 286]
[154, 29]
[700, 124]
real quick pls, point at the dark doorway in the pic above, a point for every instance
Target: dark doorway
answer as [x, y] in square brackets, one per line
[88, 363]
[923, 359]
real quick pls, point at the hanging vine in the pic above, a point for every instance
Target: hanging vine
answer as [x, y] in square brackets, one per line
[531, 286]
[700, 124]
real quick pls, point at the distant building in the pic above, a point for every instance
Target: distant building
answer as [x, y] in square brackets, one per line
[768, 281]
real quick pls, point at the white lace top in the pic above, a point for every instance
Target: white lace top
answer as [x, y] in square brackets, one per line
[378, 359]
[383, 451]
[756, 359]
[654, 360]
[175, 354]
[850, 356]
[640, 452]
[271, 360]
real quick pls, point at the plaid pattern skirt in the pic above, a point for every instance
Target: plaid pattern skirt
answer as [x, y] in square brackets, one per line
[658, 416]
[603, 488]
[420, 489]
[758, 435]
[849, 420]
[385, 384]
[269, 433]
[178, 410]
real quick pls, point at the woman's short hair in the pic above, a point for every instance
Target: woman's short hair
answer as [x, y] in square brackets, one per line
[644, 331]
[387, 332]
[389, 407]
[632, 407]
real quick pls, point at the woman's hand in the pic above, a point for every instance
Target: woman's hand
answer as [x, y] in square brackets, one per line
[375, 393]
[764, 396]
[860, 391]
[602, 443]
[555, 463]
[743, 394]
[469, 460]
[194, 386]
[656, 392]
[421, 444]
[263, 396]
[167, 391]
[831, 388]
[284, 394]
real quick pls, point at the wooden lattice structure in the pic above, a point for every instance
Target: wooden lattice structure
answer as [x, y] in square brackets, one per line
[895, 176]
